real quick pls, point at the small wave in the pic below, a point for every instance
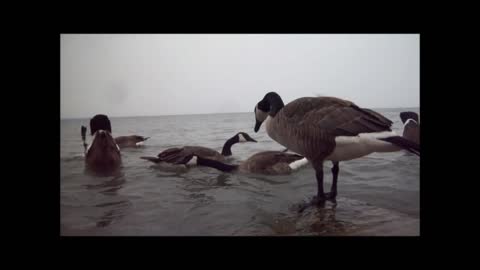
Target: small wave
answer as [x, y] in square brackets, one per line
[77, 157]
[119, 203]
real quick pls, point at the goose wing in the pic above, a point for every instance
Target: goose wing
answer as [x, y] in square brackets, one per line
[120, 139]
[334, 116]
[205, 152]
[175, 155]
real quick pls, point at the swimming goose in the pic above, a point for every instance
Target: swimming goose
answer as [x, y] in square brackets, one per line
[130, 141]
[185, 154]
[327, 128]
[103, 154]
[267, 162]
[411, 126]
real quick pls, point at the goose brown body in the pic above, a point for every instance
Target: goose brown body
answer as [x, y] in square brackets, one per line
[328, 128]
[267, 162]
[411, 131]
[309, 125]
[183, 155]
[103, 154]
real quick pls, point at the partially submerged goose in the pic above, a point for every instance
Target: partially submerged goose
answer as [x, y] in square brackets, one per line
[130, 141]
[184, 155]
[267, 162]
[103, 154]
[411, 126]
[328, 128]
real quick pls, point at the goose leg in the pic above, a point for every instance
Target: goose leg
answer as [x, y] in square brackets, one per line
[318, 200]
[333, 190]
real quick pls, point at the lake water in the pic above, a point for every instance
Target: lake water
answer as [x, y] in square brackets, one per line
[377, 195]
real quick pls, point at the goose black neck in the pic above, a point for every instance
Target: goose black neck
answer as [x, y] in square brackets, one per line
[227, 151]
[216, 164]
[275, 101]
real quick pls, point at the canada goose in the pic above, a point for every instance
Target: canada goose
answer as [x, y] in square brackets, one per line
[185, 154]
[103, 154]
[411, 126]
[267, 162]
[130, 141]
[327, 128]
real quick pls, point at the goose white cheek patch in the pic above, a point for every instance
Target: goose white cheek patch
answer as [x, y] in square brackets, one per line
[90, 145]
[193, 161]
[241, 138]
[93, 140]
[406, 123]
[260, 115]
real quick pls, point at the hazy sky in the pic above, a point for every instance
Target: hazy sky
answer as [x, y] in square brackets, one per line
[130, 75]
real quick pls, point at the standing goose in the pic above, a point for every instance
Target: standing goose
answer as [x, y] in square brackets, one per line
[185, 154]
[130, 141]
[103, 154]
[327, 128]
[411, 126]
[267, 162]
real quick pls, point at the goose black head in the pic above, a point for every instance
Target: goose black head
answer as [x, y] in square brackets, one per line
[244, 137]
[100, 122]
[405, 116]
[268, 106]
[240, 137]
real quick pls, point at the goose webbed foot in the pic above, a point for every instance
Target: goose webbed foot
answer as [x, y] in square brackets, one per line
[318, 201]
[331, 196]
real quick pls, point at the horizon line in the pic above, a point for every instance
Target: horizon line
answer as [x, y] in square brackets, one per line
[182, 114]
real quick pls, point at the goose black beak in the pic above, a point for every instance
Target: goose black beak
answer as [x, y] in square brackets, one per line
[257, 125]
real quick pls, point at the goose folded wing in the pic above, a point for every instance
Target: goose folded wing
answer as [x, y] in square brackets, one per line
[355, 120]
[340, 120]
[175, 155]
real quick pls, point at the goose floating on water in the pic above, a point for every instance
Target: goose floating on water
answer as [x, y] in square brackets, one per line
[267, 162]
[187, 155]
[328, 128]
[103, 154]
[130, 141]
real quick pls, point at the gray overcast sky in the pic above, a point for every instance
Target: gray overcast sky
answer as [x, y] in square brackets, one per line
[130, 75]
